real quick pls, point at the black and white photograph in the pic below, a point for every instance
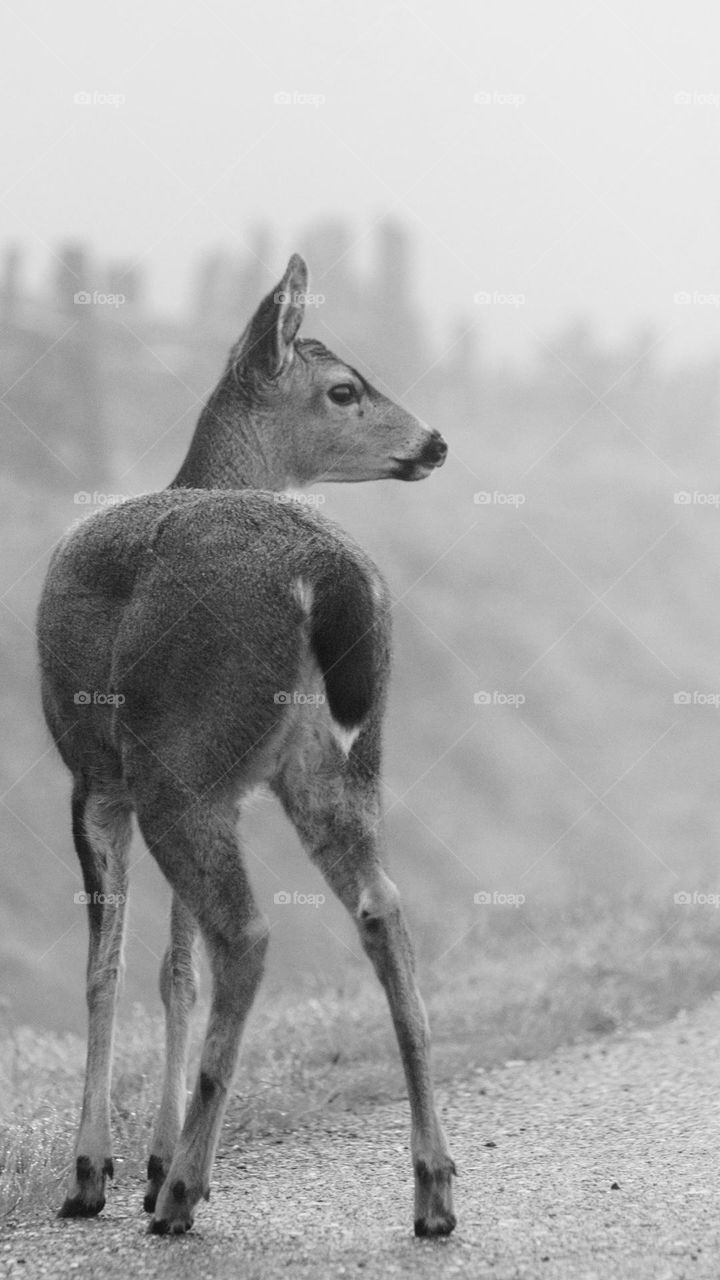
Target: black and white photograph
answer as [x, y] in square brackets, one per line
[360, 617]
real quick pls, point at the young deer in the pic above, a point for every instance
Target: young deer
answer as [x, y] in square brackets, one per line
[192, 611]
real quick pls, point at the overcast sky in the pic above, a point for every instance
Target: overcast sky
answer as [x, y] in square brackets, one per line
[562, 153]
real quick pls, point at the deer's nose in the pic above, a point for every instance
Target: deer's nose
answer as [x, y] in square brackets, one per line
[435, 451]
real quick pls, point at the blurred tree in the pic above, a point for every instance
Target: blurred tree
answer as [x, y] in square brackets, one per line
[400, 352]
[10, 288]
[77, 423]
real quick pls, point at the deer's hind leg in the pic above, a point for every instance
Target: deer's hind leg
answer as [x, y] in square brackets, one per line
[178, 989]
[196, 847]
[101, 831]
[338, 821]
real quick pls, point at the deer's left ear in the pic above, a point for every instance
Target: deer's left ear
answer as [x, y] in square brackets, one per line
[267, 342]
[292, 292]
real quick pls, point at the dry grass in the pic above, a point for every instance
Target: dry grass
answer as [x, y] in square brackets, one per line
[516, 987]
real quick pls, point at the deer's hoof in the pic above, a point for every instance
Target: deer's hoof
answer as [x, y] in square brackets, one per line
[86, 1198]
[80, 1207]
[174, 1209]
[439, 1225]
[434, 1215]
[164, 1227]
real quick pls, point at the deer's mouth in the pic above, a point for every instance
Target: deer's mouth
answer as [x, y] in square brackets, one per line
[419, 467]
[411, 469]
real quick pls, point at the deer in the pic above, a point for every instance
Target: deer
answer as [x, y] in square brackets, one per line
[170, 629]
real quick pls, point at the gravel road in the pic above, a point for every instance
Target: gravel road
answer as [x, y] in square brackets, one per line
[601, 1160]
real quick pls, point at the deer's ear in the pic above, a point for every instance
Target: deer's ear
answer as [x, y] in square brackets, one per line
[267, 342]
[292, 292]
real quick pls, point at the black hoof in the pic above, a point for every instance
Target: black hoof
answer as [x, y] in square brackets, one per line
[77, 1207]
[161, 1227]
[175, 1209]
[427, 1228]
[88, 1199]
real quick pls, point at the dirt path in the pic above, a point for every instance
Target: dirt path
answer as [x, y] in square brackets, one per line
[606, 1162]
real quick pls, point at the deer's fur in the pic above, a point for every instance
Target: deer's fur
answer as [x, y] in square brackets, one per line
[204, 611]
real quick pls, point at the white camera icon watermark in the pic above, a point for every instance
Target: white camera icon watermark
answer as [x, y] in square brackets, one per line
[83, 698]
[304, 499]
[683, 298]
[696, 698]
[83, 899]
[285, 98]
[84, 499]
[496, 498]
[695, 498]
[84, 298]
[484, 898]
[695, 899]
[309, 299]
[695, 98]
[498, 98]
[86, 98]
[498, 698]
[298, 699]
[284, 898]
[484, 298]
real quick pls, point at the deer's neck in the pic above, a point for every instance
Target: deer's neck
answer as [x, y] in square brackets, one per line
[232, 448]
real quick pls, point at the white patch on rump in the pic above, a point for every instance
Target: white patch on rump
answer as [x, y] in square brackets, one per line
[304, 595]
[344, 737]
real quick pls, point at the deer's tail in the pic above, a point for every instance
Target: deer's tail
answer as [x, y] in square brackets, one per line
[349, 635]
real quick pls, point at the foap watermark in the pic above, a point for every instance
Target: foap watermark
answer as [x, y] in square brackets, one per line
[83, 899]
[497, 498]
[496, 298]
[485, 898]
[96, 698]
[97, 499]
[308, 299]
[286, 899]
[297, 698]
[696, 698]
[85, 298]
[498, 698]
[498, 98]
[305, 499]
[696, 98]
[695, 498]
[95, 98]
[294, 98]
[684, 298]
[695, 899]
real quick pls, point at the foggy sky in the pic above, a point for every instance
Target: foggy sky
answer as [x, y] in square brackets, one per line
[561, 153]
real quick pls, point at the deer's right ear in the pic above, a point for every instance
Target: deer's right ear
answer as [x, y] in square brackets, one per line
[267, 342]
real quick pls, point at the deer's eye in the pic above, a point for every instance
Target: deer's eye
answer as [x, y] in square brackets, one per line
[343, 393]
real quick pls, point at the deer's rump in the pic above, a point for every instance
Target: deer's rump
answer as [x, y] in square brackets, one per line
[187, 622]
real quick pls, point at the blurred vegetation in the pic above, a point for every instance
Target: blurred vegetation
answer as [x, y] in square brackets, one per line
[592, 596]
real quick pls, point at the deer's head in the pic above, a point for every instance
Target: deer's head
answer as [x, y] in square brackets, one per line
[319, 414]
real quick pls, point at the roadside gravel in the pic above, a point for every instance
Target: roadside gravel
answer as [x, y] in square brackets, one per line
[601, 1160]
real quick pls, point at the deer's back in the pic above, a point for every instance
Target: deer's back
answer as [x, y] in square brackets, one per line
[185, 614]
